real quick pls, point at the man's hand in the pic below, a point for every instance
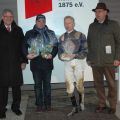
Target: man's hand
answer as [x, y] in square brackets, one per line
[49, 56]
[23, 66]
[116, 62]
[31, 56]
[69, 55]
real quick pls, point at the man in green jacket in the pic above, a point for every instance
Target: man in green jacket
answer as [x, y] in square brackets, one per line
[103, 55]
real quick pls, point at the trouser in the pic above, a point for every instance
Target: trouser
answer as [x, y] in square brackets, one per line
[74, 74]
[16, 95]
[42, 87]
[98, 74]
[76, 98]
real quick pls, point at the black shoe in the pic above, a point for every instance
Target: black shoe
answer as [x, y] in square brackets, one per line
[17, 111]
[5, 109]
[2, 115]
[47, 108]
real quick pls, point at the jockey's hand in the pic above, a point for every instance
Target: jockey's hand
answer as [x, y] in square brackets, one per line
[31, 56]
[68, 55]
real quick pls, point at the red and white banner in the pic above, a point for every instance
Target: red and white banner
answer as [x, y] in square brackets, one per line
[35, 7]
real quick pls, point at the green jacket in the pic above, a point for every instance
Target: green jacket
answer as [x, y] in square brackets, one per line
[102, 37]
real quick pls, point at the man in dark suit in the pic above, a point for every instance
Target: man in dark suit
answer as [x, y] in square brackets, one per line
[12, 62]
[104, 55]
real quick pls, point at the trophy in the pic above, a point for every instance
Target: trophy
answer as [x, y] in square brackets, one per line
[69, 47]
[47, 47]
[39, 46]
[46, 50]
[34, 46]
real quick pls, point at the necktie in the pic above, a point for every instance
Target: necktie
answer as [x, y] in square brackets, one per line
[8, 28]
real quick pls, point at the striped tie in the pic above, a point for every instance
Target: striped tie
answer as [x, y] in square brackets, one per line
[8, 28]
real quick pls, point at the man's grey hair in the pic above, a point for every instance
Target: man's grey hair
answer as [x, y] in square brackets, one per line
[6, 11]
[69, 17]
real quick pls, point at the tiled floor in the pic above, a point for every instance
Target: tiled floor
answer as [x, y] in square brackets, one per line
[61, 107]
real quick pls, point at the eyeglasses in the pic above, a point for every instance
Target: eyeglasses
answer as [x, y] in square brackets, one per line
[8, 16]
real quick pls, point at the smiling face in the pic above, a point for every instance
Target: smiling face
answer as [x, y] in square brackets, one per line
[100, 14]
[7, 18]
[40, 23]
[69, 24]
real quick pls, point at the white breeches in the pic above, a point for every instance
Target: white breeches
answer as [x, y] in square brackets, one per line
[74, 72]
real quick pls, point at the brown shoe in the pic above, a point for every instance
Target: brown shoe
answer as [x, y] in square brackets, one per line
[100, 109]
[49, 108]
[39, 109]
[112, 111]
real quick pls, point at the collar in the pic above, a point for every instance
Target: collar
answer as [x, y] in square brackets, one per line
[104, 22]
[8, 26]
[100, 22]
[70, 31]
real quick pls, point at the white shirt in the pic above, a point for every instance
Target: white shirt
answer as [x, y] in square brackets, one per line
[8, 26]
[69, 31]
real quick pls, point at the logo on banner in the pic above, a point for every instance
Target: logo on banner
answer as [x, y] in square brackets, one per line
[35, 7]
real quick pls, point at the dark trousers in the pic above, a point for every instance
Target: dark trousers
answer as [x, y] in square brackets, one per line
[16, 95]
[42, 87]
[98, 74]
